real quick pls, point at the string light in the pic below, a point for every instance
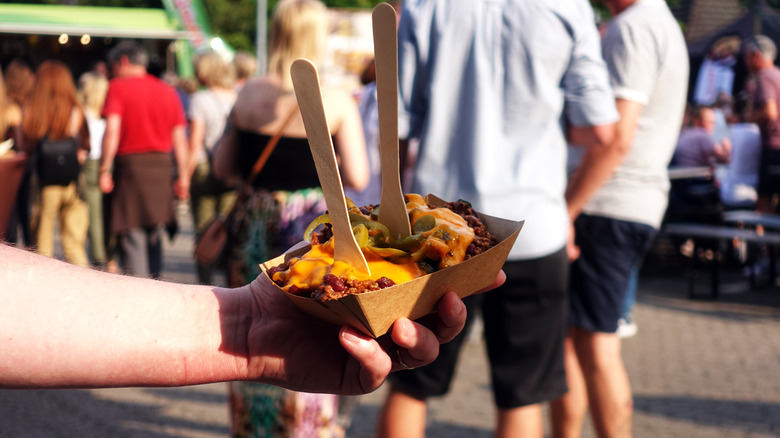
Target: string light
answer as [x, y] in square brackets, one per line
[85, 39]
[63, 38]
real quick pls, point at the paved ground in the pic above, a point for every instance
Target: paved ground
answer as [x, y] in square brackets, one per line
[699, 368]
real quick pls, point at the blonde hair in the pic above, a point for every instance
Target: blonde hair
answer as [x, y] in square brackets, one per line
[298, 30]
[246, 65]
[213, 71]
[4, 103]
[92, 92]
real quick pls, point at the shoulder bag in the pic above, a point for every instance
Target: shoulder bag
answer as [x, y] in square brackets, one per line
[212, 241]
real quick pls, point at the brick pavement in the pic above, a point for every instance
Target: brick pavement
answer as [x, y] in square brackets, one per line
[698, 368]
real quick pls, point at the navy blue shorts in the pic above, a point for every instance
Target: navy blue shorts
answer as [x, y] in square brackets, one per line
[525, 325]
[769, 172]
[609, 249]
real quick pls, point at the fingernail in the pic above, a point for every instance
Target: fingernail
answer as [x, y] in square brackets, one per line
[351, 337]
[408, 329]
[461, 307]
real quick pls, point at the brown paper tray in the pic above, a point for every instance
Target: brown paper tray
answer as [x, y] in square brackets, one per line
[374, 312]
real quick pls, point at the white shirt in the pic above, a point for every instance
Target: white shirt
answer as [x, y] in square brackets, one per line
[648, 64]
[97, 127]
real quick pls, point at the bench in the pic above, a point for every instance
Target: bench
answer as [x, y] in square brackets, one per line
[752, 218]
[718, 234]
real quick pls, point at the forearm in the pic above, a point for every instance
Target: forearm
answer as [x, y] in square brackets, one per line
[83, 328]
[597, 165]
[607, 149]
[181, 152]
[602, 154]
[110, 145]
[195, 144]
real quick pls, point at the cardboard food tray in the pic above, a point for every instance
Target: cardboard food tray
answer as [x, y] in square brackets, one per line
[374, 312]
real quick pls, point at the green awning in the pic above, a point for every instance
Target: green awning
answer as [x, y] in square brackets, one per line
[91, 20]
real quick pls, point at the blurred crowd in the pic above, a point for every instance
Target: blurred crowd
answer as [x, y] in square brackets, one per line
[111, 154]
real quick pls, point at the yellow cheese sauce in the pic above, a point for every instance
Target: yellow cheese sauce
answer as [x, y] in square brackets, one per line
[461, 235]
[308, 271]
[447, 241]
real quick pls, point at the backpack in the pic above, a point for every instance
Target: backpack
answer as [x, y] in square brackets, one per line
[58, 162]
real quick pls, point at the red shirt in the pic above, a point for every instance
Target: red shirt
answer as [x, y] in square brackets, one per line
[149, 109]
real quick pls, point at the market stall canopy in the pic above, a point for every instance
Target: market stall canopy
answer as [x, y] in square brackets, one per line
[92, 20]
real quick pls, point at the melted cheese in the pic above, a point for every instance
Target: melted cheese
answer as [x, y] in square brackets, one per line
[308, 271]
[461, 235]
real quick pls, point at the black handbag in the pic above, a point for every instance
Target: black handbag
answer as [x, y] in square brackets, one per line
[58, 161]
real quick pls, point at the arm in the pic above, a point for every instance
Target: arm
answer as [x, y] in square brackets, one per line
[768, 113]
[602, 158]
[197, 130]
[64, 326]
[351, 146]
[81, 129]
[225, 161]
[181, 153]
[110, 147]
[722, 151]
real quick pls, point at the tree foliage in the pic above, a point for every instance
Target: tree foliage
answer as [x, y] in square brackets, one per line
[235, 21]
[113, 3]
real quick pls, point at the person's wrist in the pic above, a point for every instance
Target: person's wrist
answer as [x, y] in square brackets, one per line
[238, 313]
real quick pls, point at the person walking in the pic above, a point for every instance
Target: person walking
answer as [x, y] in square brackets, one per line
[648, 64]
[144, 122]
[54, 115]
[208, 111]
[92, 93]
[760, 54]
[19, 81]
[486, 87]
[286, 197]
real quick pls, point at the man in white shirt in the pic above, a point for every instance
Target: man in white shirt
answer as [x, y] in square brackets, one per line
[648, 64]
[487, 87]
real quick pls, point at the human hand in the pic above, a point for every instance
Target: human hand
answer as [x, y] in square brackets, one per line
[106, 182]
[181, 187]
[572, 250]
[289, 348]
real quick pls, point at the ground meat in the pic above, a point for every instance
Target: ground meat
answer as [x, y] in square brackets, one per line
[483, 239]
[334, 287]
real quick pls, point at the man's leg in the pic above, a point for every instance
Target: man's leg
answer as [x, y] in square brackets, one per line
[609, 250]
[525, 328]
[51, 201]
[94, 199]
[609, 391]
[74, 223]
[154, 236]
[133, 256]
[525, 421]
[568, 412]
[768, 180]
[402, 416]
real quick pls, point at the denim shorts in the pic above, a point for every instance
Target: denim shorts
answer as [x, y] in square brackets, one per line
[609, 249]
